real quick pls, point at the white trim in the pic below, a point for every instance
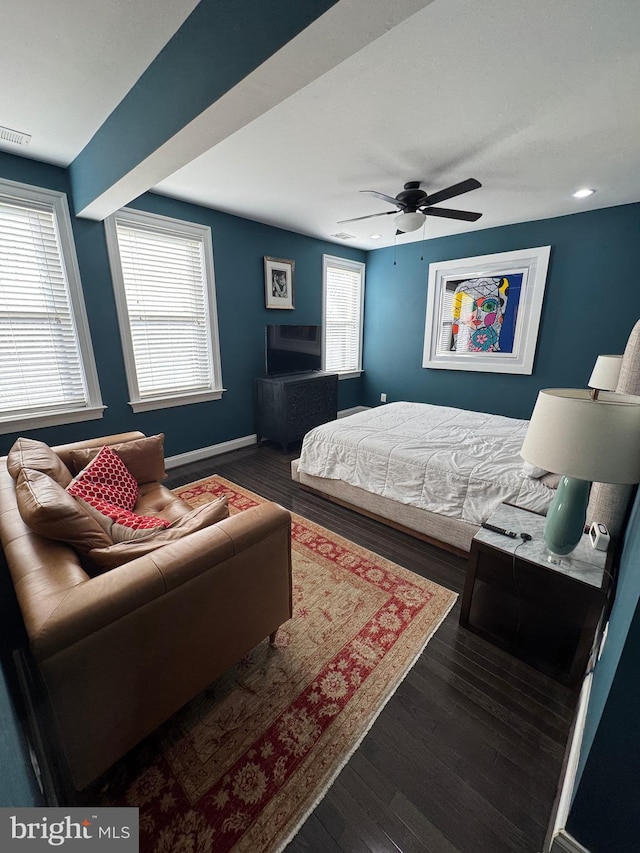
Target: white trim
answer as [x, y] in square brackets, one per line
[71, 416]
[152, 403]
[227, 446]
[568, 782]
[212, 450]
[57, 202]
[353, 266]
[565, 843]
[180, 227]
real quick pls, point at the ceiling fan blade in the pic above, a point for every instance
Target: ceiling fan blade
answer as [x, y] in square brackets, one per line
[466, 215]
[384, 197]
[456, 189]
[370, 216]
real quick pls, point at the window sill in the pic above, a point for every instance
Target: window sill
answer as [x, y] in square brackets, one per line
[47, 419]
[351, 374]
[152, 403]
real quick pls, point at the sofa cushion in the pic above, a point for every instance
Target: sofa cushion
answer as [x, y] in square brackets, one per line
[122, 525]
[110, 557]
[29, 453]
[143, 458]
[49, 510]
[106, 478]
[155, 499]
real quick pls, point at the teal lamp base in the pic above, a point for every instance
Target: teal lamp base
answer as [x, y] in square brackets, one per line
[565, 519]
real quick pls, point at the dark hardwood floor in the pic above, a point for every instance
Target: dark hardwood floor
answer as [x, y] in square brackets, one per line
[467, 754]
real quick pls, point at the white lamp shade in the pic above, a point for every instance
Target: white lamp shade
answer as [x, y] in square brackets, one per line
[599, 440]
[409, 221]
[606, 372]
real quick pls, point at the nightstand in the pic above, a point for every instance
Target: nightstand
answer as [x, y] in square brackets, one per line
[545, 614]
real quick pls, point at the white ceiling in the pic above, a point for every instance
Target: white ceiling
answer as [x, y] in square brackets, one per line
[534, 99]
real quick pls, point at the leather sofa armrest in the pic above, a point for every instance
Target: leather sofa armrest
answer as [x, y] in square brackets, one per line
[99, 602]
[182, 560]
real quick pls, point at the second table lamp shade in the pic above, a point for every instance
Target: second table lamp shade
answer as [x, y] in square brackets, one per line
[584, 440]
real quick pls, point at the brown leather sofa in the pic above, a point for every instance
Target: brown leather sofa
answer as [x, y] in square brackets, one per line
[119, 651]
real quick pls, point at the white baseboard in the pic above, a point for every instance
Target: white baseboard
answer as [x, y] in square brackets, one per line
[565, 843]
[235, 444]
[213, 450]
[568, 783]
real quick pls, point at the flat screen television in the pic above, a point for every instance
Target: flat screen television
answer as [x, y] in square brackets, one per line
[293, 349]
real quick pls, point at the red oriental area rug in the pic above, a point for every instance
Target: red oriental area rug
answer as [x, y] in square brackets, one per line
[241, 767]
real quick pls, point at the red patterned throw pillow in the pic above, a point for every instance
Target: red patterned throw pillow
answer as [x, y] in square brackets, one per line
[109, 492]
[106, 478]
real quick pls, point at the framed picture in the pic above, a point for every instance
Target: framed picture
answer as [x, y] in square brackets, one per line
[483, 313]
[278, 283]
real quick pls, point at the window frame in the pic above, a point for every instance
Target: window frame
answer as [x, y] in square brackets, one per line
[176, 227]
[354, 266]
[56, 201]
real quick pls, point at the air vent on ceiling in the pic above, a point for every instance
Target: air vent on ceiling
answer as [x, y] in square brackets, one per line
[342, 235]
[15, 136]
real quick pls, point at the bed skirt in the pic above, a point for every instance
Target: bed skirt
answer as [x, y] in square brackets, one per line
[449, 533]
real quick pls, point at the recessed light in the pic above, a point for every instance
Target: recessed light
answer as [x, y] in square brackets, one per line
[583, 193]
[375, 236]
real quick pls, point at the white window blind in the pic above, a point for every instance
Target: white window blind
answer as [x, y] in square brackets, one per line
[163, 278]
[47, 373]
[343, 302]
[445, 338]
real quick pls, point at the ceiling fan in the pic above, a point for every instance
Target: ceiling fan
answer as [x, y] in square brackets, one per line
[415, 204]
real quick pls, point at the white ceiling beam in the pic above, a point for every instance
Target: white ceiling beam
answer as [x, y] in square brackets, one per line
[344, 29]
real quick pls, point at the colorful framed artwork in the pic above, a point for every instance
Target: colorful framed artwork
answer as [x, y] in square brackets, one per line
[483, 313]
[278, 283]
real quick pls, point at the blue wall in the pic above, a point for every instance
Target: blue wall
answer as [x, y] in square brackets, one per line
[592, 300]
[239, 246]
[591, 303]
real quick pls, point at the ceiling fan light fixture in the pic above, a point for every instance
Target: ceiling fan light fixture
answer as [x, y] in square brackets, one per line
[583, 193]
[409, 221]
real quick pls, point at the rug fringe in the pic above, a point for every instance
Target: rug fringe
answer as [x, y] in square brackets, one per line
[336, 772]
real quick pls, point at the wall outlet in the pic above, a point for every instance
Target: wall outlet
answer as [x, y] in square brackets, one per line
[383, 398]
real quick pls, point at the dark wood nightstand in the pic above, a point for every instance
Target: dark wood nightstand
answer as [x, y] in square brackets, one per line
[545, 614]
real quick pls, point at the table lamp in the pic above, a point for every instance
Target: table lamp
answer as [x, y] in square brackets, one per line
[605, 373]
[584, 440]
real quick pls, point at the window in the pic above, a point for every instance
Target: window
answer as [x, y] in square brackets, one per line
[47, 370]
[343, 298]
[162, 273]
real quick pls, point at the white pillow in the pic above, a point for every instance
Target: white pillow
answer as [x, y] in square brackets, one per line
[532, 471]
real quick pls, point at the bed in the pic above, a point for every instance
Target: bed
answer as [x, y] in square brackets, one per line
[438, 472]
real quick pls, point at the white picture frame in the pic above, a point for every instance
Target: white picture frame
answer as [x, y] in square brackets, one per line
[458, 334]
[278, 283]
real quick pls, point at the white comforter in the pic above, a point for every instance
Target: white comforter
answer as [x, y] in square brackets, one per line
[450, 461]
